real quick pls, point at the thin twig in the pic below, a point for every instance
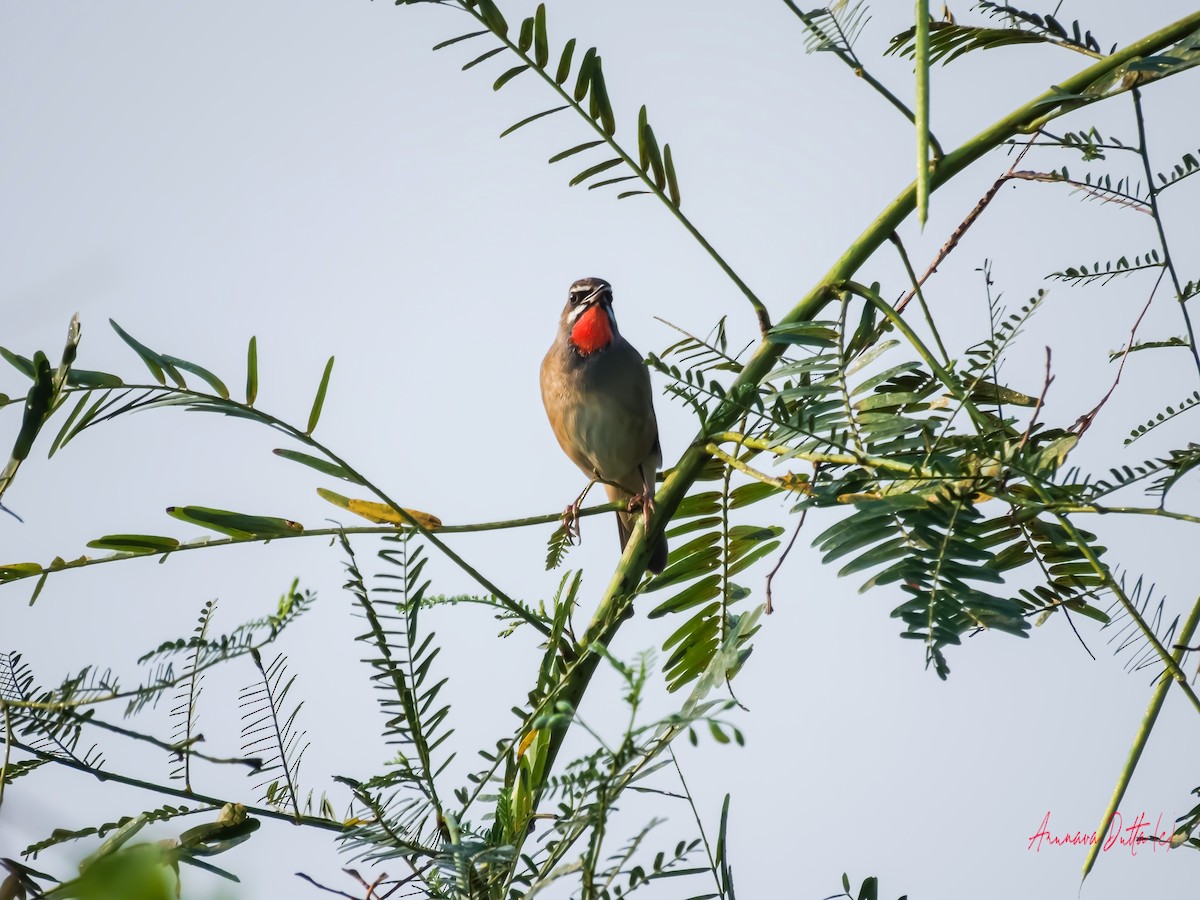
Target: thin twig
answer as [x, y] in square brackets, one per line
[214, 802]
[912, 277]
[1126, 511]
[84, 561]
[1084, 422]
[782, 557]
[177, 747]
[322, 887]
[1144, 152]
[851, 59]
[957, 234]
[1037, 408]
[1105, 195]
[712, 860]
[7, 749]
[734, 463]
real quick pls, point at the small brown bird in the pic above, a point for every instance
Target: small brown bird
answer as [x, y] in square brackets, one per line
[596, 391]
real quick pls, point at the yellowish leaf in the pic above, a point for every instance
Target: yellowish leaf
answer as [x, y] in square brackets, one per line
[858, 498]
[380, 512]
[525, 742]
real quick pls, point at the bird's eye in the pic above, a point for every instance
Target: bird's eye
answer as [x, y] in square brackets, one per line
[576, 296]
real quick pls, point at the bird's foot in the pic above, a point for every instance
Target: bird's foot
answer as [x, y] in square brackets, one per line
[570, 522]
[570, 516]
[646, 502]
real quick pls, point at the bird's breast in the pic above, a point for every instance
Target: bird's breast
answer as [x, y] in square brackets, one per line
[604, 423]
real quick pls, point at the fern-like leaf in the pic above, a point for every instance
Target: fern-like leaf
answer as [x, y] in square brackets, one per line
[407, 798]
[835, 27]
[269, 732]
[1178, 409]
[1127, 638]
[46, 718]
[1110, 269]
[187, 699]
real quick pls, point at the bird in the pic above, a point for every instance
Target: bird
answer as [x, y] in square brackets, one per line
[596, 390]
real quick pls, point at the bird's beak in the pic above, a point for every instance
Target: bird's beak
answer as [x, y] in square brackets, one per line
[602, 295]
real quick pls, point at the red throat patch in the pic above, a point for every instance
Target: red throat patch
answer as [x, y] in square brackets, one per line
[592, 330]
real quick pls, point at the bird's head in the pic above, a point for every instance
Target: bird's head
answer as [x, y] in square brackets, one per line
[588, 317]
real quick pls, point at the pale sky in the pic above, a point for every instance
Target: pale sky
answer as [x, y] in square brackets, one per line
[313, 175]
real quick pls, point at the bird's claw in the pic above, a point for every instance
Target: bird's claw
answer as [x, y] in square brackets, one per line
[646, 502]
[570, 522]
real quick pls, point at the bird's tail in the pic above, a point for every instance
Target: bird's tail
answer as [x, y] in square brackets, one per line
[658, 555]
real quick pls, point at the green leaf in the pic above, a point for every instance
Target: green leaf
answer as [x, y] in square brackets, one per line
[483, 56]
[461, 37]
[578, 148]
[1047, 459]
[85, 378]
[987, 392]
[602, 107]
[153, 361]
[492, 17]
[653, 154]
[20, 363]
[564, 62]
[525, 41]
[948, 41]
[319, 400]
[701, 592]
[595, 170]
[748, 559]
[134, 543]
[672, 181]
[541, 43]
[236, 525]
[252, 371]
[13, 571]
[702, 504]
[921, 113]
[624, 194]
[608, 181]
[746, 494]
[811, 334]
[208, 377]
[702, 524]
[511, 128]
[37, 407]
[37, 588]
[688, 565]
[321, 465]
[66, 426]
[584, 79]
[643, 154]
[723, 850]
[509, 75]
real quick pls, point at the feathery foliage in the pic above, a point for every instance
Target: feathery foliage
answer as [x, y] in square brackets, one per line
[930, 474]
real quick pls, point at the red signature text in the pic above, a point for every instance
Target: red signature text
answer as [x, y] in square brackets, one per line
[1118, 836]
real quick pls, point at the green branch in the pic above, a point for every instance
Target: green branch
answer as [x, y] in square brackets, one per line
[851, 59]
[1142, 736]
[616, 604]
[19, 574]
[1106, 576]
[215, 802]
[643, 175]
[211, 402]
[1168, 261]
